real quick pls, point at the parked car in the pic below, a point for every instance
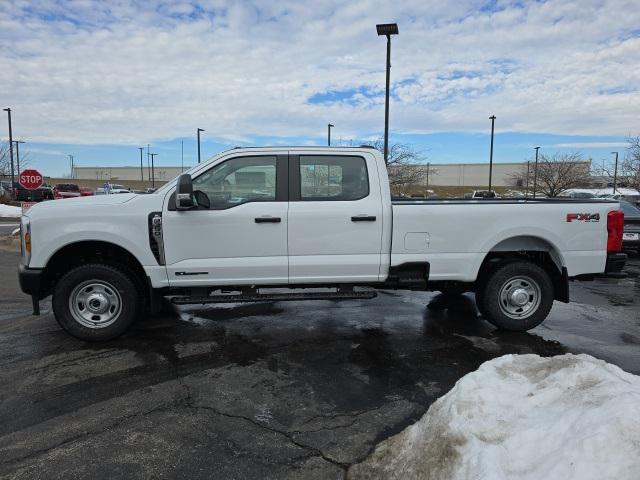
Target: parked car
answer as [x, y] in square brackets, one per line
[481, 194]
[66, 190]
[86, 192]
[21, 194]
[250, 219]
[631, 236]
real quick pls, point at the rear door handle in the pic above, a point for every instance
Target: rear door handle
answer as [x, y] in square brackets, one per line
[363, 218]
[267, 219]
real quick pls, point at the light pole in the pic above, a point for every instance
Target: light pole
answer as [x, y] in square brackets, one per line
[13, 179]
[153, 172]
[199, 130]
[71, 163]
[182, 155]
[526, 194]
[493, 121]
[615, 173]
[18, 142]
[387, 29]
[329, 127]
[535, 174]
[141, 166]
[148, 164]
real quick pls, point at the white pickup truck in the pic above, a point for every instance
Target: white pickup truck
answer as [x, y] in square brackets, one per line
[273, 224]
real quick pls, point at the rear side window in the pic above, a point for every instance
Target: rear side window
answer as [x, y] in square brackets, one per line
[329, 177]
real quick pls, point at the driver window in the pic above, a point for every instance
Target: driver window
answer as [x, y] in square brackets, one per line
[237, 181]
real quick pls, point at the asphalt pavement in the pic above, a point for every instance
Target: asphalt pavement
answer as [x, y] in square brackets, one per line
[268, 390]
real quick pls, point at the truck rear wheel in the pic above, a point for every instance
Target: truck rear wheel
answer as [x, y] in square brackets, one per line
[517, 296]
[95, 302]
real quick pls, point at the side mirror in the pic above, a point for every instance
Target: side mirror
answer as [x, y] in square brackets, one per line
[184, 192]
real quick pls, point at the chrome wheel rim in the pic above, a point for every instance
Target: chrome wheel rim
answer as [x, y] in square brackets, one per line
[519, 297]
[95, 304]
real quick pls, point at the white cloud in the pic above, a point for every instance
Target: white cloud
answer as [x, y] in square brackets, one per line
[117, 72]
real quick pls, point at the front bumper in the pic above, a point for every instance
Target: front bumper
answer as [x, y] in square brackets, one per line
[32, 281]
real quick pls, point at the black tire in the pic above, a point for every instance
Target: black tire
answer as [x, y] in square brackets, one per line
[510, 285]
[104, 287]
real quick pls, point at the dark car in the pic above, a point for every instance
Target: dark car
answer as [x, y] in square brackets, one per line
[631, 235]
[23, 195]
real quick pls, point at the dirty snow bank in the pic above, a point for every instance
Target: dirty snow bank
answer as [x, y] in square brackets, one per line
[522, 417]
[9, 211]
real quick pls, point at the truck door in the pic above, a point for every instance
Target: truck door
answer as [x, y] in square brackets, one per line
[240, 237]
[335, 218]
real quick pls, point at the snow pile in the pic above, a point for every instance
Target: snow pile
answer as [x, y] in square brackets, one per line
[9, 211]
[522, 417]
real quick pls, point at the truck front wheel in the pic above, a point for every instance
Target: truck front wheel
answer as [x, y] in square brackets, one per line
[95, 302]
[517, 296]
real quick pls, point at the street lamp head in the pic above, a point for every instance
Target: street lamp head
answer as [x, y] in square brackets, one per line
[387, 29]
[7, 109]
[201, 129]
[492, 117]
[331, 125]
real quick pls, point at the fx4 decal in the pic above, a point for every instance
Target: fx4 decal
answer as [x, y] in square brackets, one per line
[583, 217]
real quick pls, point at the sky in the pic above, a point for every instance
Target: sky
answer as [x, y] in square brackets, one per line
[98, 79]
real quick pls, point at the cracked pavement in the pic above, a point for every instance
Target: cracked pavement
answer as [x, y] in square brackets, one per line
[270, 390]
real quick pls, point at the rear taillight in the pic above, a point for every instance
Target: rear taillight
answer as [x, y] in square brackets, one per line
[615, 229]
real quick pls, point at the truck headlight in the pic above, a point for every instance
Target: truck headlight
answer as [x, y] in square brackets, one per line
[25, 240]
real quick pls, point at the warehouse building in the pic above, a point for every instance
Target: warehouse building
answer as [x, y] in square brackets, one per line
[439, 174]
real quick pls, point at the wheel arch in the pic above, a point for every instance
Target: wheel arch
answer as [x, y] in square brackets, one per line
[90, 251]
[530, 248]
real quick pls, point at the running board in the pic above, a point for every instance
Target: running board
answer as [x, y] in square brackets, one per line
[273, 297]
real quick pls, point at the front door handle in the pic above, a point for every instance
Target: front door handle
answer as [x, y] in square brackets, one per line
[363, 218]
[267, 219]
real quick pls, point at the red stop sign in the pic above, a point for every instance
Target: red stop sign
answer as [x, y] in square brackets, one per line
[30, 179]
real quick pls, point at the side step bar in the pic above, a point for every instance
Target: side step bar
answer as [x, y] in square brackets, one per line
[273, 297]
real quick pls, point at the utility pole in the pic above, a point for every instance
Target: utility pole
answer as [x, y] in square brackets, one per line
[18, 142]
[13, 179]
[428, 165]
[153, 172]
[141, 166]
[387, 30]
[493, 120]
[329, 126]
[615, 173]
[535, 174]
[199, 130]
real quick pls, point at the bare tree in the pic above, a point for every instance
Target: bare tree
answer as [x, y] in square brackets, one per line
[405, 165]
[556, 174]
[630, 167]
[5, 160]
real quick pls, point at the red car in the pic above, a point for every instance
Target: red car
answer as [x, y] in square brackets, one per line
[86, 191]
[66, 190]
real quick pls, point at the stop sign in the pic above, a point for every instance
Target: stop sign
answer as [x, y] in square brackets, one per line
[30, 179]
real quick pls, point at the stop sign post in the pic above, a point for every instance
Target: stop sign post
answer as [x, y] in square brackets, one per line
[30, 179]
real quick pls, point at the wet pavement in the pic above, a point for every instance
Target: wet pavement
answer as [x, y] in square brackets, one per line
[269, 390]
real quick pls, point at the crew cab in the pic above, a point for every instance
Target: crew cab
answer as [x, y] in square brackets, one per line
[275, 224]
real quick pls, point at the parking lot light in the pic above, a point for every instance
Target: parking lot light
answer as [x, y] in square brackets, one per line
[18, 142]
[141, 166]
[615, 173]
[153, 172]
[387, 29]
[493, 122]
[199, 130]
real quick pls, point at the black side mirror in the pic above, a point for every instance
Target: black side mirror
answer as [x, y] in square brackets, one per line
[184, 192]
